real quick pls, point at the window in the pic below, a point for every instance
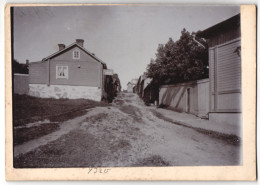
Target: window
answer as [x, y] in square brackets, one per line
[62, 72]
[76, 54]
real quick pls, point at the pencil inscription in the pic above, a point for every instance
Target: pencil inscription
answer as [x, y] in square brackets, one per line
[98, 170]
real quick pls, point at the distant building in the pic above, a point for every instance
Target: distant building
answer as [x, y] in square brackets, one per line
[131, 86]
[147, 90]
[140, 85]
[71, 72]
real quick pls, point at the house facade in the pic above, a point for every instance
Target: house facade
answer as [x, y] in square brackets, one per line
[147, 90]
[219, 97]
[224, 41]
[72, 72]
[131, 86]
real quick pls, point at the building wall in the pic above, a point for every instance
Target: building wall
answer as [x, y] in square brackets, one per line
[81, 73]
[129, 88]
[221, 38]
[38, 73]
[65, 91]
[85, 71]
[21, 83]
[227, 118]
[203, 97]
[147, 81]
[225, 77]
[191, 97]
[68, 55]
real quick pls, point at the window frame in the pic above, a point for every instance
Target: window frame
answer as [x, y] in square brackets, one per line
[73, 54]
[66, 75]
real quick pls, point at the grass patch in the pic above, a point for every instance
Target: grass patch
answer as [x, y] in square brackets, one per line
[21, 135]
[29, 109]
[75, 149]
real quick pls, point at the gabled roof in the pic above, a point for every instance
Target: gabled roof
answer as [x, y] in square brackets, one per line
[134, 81]
[147, 81]
[69, 47]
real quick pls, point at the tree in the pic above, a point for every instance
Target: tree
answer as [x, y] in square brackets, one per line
[180, 61]
[20, 68]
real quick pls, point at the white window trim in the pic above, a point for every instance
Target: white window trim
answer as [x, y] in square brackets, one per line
[73, 56]
[61, 77]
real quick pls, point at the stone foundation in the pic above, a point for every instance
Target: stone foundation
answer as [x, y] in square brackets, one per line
[65, 91]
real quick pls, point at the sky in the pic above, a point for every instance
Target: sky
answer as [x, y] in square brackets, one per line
[125, 37]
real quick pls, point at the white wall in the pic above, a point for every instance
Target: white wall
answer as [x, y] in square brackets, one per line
[64, 91]
[175, 97]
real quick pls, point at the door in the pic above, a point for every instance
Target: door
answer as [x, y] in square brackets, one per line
[188, 100]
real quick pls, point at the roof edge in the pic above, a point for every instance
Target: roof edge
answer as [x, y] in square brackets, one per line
[68, 47]
[226, 24]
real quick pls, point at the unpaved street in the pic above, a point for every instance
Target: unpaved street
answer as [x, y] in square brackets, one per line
[127, 133]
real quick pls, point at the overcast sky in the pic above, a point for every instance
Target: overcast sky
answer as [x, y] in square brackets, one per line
[124, 37]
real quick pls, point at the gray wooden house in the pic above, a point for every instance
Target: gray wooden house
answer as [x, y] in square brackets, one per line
[224, 41]
[71, 72]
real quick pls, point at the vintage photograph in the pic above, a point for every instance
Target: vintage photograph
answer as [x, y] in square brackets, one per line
[126, 86]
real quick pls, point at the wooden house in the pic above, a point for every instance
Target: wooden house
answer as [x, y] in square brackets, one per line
[147, 90]
[71, 72]
[224, 41]
[131, 86]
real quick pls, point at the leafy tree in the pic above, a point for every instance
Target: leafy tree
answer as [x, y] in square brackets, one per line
[180, 61]
[20, 68]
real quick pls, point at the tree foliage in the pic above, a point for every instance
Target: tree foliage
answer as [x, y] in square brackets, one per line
[20, 68]
[180, 61]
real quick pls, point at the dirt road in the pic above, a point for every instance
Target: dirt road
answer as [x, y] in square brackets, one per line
[127, 133]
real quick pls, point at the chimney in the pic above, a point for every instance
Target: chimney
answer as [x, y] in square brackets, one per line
[61, 46]
[80, 42]
[27, 62]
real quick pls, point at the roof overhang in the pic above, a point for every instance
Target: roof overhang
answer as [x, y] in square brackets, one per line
[230, 23]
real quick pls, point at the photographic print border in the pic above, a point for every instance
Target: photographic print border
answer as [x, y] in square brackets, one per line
[247, 171]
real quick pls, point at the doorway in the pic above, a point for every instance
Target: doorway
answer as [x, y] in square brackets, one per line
[188, 100]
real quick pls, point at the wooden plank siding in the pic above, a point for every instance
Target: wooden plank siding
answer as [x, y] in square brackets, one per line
[38, 71]
[229, 68]
[228, 35]
[85, 71]
[212, 77]
[80, 73]
[190, 97]
[20, 84]
[68, 55]
[225, 77]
